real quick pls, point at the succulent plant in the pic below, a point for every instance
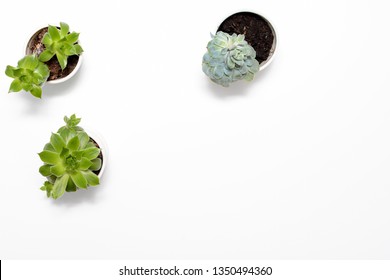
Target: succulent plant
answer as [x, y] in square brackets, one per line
[69, 160]
[229, 58]
[61, 43]
[29, 75]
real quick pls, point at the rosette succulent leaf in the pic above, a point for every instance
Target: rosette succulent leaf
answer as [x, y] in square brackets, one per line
[70, 159]
[61, 43]
[229, 58]
[29, 75]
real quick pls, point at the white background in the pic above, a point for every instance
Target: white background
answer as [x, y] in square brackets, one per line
[294, 165]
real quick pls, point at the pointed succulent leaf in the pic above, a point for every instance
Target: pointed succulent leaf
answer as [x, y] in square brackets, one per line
[62, 59]
[64, 29]
[54, 33]
[60, 186]
[15, 86]
[50, 157]
[45, 170]
[91, 153]
[78, 49]
[72, 37]
[10, 71]
[36, 91]
[85, 164]
[49, 147]
[58, 170]
[96, 164]
[73, 144]
[92, 178]
[84, 139]
[57, 142]
[79, 180]
[46, 55]
[47, 40]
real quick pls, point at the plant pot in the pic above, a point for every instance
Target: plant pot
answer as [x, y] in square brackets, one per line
[57, 75]
[258, 31]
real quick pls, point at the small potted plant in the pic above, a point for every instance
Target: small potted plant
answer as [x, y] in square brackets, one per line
[72, 160]
[244, 44]
[58, 53]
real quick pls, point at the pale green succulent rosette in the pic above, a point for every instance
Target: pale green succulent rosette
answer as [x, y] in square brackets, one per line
[229, 58]
[29, 75]
[70, 159]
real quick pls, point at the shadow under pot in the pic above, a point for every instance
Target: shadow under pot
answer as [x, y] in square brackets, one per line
[258, 32]
[57, 75]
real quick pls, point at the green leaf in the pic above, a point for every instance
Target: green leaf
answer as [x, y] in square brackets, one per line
[28, 62]
[54, 33]
[10, 71]
[15, 86]
[57, 142]
[36, 91]
[85, 164]
[74, 143]
[64, 29]
[43, 69]
[64, 153]
[91, 153]
[62, 59]
[60, 186]
[45, 170]
[92, 178]
[50, 157]
[84, 139]
[72, 37]
[27, 86]
[46, 40]
[58, 170]
[78, 49]
[49, 147]
[48, 187]
[96, 164]
[46, 55]
[71, 187]
[79, 180]
[65, 134]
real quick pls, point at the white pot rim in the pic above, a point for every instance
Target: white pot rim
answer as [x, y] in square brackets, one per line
[59, 80]
[271, 55]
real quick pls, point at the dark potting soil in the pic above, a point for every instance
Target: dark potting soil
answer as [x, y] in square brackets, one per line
[99, 156]
[36, 46]
[257, 32]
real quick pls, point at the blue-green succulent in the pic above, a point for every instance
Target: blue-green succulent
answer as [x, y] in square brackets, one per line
[229, 58]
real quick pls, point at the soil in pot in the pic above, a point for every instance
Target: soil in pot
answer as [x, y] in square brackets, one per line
[97, 172]
[256, 29]
[35, 46]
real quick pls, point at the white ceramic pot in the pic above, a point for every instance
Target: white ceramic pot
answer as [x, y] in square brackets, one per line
[271, 55]
[59, 80]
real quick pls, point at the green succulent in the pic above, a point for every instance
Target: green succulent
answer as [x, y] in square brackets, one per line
[29, 75]
[229, 58]
[61, 43]
[69, 160]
